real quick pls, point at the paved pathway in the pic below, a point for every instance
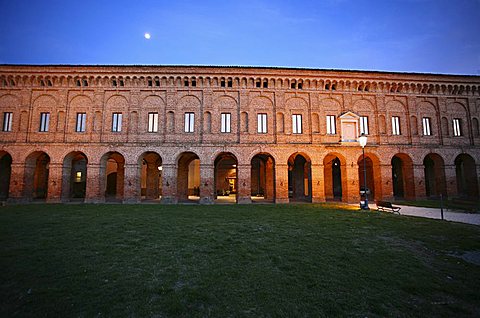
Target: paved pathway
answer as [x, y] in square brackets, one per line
[432, 213]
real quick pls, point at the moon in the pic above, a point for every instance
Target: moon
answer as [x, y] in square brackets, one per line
[147, 36]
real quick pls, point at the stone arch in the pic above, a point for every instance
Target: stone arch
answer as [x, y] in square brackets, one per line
[261, 102]
[190, 102]
[363, 106]
[74, 176]
[300, 177]
[112, 176]
[150, 165]
[37, 166]
[116, 101]
[374, 176]
[335, 177]
[188, 177]
[262, 177]
[434, 172]
[225, 101]
[296, 103]
[5, 174]
[466, 173]
[225, 177]
[402, 177]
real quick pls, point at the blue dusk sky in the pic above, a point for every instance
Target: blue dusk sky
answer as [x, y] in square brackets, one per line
[433, 36]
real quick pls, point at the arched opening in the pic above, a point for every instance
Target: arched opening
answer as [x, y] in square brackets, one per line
[150, 176]
[334, 169]
[112, 167]
[435, 182]
[466, 172]
[36, 175]
[374, 182]
[74, 176]
[225, 178]
[299, 178]
[5, 173]
[263, 178]
[402, 177]
[188, 177]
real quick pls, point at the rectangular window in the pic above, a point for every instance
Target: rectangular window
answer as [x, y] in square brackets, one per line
[396, 125]
[331, 129]
[81, 120]
[117, 122]
[297, 124]
[44, 121]
[152, 122]
[7, 121]
[225, 127]
[457, 127]
[189, 122]
[364, 125]
[262, 123]
[426, 126]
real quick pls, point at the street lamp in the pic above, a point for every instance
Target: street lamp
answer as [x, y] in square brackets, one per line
[362, 140]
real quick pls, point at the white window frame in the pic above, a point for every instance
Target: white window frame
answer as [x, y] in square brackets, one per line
[457, 127]
[297, 124]
[80, 122]
[189, 122]
[7, 121]
[117, 122]
[44, 121]
[364, 125]
[396, 126]
[225, 126]
[426, 124]
[262, 123]
[153, 122]
[331, 127]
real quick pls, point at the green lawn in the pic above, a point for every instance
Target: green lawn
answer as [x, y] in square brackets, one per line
[233, 261]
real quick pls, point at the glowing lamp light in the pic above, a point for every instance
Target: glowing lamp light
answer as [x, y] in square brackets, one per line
[362, 140]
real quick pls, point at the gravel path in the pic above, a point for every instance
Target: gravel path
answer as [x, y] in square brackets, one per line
[470, 218]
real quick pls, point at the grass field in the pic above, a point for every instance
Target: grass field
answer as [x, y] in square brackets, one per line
[233, 261]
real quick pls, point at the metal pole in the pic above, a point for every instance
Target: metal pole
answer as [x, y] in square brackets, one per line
[365, 205]
[441, 205]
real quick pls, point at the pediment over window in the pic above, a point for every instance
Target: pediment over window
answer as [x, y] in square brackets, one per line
[349, 116]
[349, 123]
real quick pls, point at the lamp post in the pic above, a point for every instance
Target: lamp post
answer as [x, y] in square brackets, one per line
[362, 140]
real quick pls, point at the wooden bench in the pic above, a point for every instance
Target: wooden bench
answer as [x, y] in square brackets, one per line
[385, 206]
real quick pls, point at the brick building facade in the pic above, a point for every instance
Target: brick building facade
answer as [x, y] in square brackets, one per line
[234, 134]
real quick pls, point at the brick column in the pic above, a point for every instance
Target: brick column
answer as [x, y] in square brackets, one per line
[207, 195]
[350, 184]
[54, 194]
[281, 183]
[244, 187]
[94, 194]
[419, 180]
[387, 182]
[120, 181]
[17, 179]
[131, 184]
[169, 187]
[318, 186]
[451, 181]
[269, 192]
